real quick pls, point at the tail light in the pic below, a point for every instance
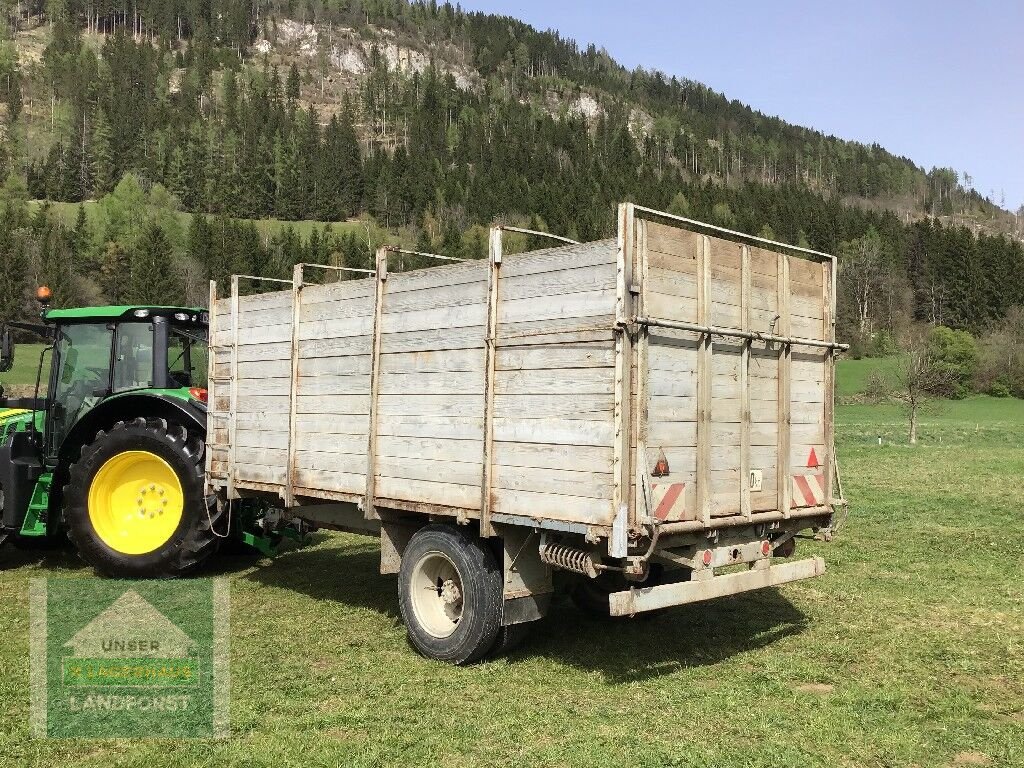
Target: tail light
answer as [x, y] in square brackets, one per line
[198, 393]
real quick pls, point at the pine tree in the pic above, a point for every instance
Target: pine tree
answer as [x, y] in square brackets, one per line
[152, 273]
[292, 87]
[101, 155]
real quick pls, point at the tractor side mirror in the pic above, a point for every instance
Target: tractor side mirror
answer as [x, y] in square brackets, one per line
[6, 350]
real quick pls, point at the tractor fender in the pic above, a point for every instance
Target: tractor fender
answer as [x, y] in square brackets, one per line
[109, 412]
[126, 408]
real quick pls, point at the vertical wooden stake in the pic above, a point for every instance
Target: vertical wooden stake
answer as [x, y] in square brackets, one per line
[293, 386]
[704, 367]
[785, 478]
[211, 379]
[745, 301]
[829, 330]
[233, 414]
[621, 473]
[491, 344]
[369, 510]
[641, 471]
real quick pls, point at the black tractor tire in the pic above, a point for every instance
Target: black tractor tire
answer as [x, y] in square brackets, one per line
[199, 531]
[454, 616]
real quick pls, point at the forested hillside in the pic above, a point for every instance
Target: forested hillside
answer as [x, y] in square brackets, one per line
[431, 123]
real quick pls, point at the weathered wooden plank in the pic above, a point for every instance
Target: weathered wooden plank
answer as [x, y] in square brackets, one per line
[333, 423]
[576, 457]
[426, 492]
[591, 407]
[326, 366]
[433, 449]
[347, 384]
[468, 404]
[453, 427]
[561, 482]
[554, 507]
[428, 361]
[471, 337]
[556, 381]
[318, 479]
[557, 259]
[600, 354]
[331, 461]
[571, 306]
[553, 430]
[337, 347]
[338, 327]
[471, 274]
[336, 404]
[567, 281]
[565, 329]
[468, 314]
[458, 382]
[680, 243]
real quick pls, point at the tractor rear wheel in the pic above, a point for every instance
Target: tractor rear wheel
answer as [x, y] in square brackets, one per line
[135, 503]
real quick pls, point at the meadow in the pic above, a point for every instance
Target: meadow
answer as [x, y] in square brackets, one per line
[908, 652]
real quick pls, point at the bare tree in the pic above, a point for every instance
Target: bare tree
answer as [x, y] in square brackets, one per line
[862, 268]
[918, 377]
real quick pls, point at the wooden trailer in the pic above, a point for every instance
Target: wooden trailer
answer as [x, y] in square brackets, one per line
[653, 413]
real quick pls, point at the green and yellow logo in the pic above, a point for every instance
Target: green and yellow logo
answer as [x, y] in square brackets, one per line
[129, 659]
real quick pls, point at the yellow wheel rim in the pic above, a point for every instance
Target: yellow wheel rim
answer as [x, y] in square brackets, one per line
[135, 502]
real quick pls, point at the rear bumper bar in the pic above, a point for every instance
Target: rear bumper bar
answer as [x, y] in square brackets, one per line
[638, 600]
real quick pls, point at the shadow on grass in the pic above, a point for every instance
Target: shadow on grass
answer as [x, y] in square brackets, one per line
[624, 650]
[349, 575]
[696, 635]
[56, 556]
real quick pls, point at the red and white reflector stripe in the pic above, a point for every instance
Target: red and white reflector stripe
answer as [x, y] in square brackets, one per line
[808, 490]
[669, 500]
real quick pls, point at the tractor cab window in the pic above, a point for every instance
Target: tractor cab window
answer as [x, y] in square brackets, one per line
[82, 379]
[186, 357]
[133, 357]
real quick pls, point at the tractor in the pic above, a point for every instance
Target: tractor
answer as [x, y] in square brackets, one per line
[113, 455]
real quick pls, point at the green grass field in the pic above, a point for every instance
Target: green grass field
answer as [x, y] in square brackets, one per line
[908, 652]
[852, 376]
[20, 380]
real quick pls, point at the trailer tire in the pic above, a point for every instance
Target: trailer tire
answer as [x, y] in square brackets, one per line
[164, 464]
[450, 595]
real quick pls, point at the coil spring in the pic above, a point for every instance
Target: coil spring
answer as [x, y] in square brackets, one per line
[569, 559]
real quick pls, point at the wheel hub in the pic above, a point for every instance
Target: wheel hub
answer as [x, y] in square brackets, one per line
[450, 593]
[437, 594]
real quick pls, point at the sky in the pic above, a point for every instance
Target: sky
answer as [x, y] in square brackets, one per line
[940, 82]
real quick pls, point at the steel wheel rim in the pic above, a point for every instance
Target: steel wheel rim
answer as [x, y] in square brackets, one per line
[436, 594]
[136, 502]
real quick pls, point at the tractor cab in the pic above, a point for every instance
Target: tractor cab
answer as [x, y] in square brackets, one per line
[108, 366]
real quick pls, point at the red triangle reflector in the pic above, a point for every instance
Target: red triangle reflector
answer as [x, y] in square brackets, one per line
[812, 460]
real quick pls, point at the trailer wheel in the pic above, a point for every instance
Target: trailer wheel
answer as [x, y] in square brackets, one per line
[449, 591]
[135, 503]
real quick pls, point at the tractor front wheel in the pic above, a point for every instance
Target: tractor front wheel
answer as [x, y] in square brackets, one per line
[135, 503]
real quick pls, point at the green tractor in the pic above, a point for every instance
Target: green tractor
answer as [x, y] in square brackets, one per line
[113, 455]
